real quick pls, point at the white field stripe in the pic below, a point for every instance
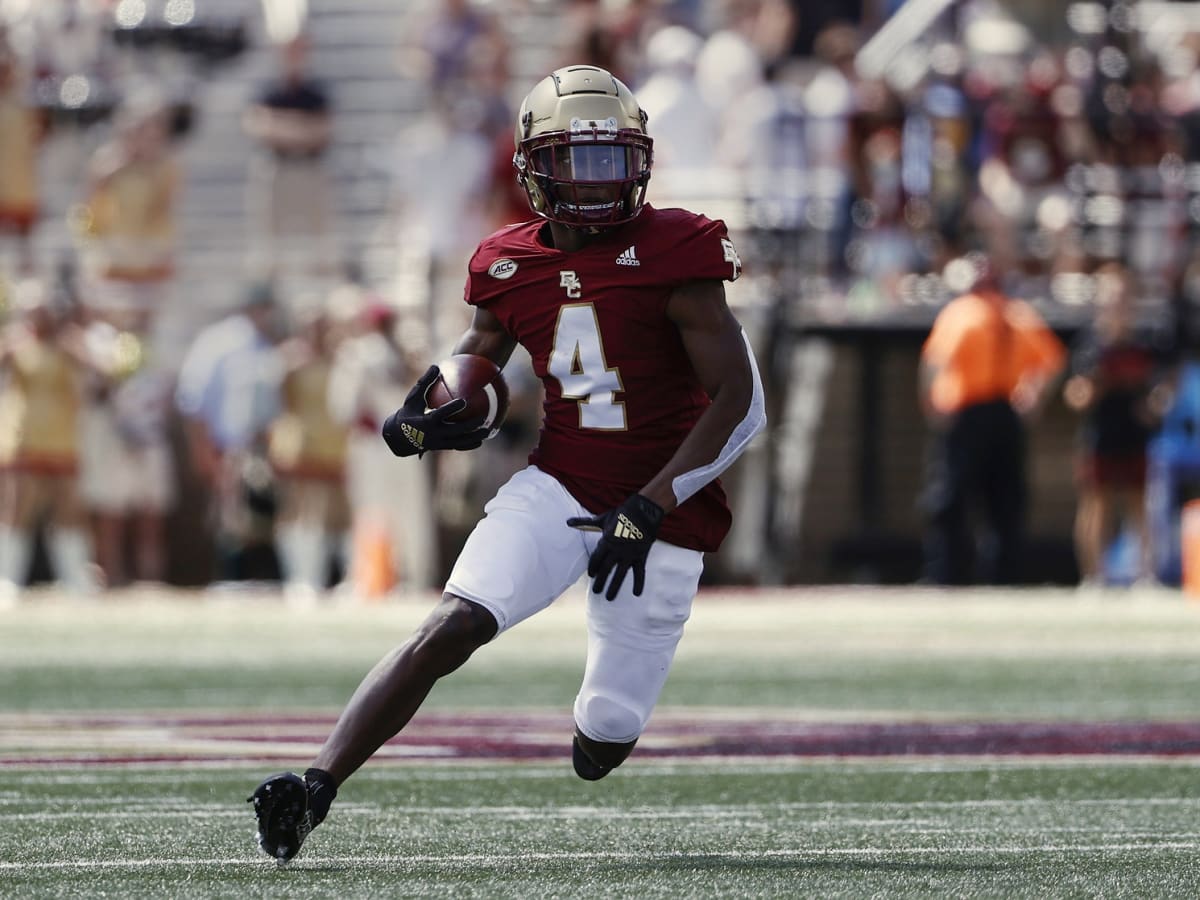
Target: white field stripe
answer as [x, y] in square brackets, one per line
[587, 856]
[507, 770]
[903, 823]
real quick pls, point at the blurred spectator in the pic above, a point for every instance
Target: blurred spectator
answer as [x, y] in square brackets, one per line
[830, 100]
[1173, 470]
[128, 474]
[21, 129]
[483, 96]
[289, 200]
[753, 36]
[67, 37]
[445, 40]
[1025, 150]
[729, 64]
[985, 368]
[685, 127]
[588, 37]
[43, 360]
[132, 207]
[228, 394]
[884, 247]
[441, 167]
[1117, 387]
[128, 478]
[391, 504]
[612, 36]
[307, 450]
[507, 203]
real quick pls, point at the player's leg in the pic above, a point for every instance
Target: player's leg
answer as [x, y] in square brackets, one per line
[1135, 511]
[154, 499]
[17, 517]
[631, 644]
[300, 539]
[393, 691]
[287, 806]
[946, 501]
[68, 541]
[1090, 514]
[520, 557]
[107, 477]
[1003, 489]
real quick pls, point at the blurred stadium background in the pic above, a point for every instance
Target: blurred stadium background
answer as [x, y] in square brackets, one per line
[855, 149]
[828, 730]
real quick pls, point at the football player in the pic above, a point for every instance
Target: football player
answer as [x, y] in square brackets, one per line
[651, 392]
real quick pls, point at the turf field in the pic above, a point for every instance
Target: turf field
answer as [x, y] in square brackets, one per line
[822, 743]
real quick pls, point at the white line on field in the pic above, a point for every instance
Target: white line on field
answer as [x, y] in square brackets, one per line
[153, 809]
[516, 858]
[507, 770]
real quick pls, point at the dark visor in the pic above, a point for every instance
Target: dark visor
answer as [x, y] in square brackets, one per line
[588, 162]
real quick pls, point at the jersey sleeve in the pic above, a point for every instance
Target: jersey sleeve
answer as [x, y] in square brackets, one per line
[703, 250]
[489, 271]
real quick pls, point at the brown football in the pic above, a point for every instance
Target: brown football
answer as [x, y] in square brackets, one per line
[479, 381]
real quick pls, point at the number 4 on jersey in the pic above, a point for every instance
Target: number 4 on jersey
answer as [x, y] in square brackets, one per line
[578, 363]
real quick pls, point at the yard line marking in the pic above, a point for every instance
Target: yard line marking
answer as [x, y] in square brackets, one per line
[491, 859]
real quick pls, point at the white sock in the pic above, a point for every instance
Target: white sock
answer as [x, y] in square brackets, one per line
[16, 547]
[303, 555]
[71, 555]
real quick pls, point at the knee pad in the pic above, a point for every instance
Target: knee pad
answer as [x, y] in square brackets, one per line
[606, 719]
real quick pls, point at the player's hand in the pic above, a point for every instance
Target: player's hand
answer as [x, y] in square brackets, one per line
[413, 428]
[628, 533]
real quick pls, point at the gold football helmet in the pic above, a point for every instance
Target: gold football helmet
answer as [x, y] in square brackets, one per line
[582, 152]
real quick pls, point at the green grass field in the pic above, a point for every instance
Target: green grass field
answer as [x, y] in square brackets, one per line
[131, 732]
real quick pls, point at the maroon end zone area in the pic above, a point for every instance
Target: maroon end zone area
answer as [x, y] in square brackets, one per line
[142, 738]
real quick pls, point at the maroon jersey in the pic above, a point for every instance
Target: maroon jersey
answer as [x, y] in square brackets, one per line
[621, 394]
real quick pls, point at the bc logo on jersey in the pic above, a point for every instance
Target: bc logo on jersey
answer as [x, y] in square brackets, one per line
[571, 283]
[731, 256]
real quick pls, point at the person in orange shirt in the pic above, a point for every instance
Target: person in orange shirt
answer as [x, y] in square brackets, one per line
[985, 369]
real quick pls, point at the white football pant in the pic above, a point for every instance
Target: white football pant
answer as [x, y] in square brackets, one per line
[522, 556]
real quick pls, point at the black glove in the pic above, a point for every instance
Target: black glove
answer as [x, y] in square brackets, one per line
[414, 429]
[629, 531]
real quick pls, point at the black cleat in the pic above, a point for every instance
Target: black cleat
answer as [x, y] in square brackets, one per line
[285, 817]
[584, 767]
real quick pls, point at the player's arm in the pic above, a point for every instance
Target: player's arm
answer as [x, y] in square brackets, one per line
[721, 356]
[486, 336]
[414, 428]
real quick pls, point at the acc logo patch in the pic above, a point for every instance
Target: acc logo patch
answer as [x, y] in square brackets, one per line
[502, 268]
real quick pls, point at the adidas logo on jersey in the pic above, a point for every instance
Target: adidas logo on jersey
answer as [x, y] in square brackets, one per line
[628, 258]
[625, 529]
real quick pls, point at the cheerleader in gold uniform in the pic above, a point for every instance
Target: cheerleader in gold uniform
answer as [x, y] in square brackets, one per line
[307, 449]
[130, 485]
[43, 360]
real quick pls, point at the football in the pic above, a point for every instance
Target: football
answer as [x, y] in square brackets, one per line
[477, 380]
